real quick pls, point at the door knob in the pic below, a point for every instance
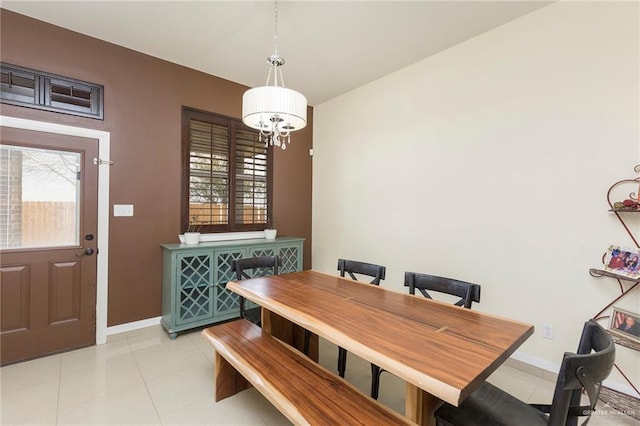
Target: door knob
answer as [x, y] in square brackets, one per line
[88, 251]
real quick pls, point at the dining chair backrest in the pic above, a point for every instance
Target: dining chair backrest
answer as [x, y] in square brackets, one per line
[424, 283]
[262, 266]
[353, 267]
[585, 369]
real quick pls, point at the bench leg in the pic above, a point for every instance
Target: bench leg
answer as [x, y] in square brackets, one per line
[228, 381]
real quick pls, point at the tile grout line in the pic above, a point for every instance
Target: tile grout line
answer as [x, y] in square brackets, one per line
[59, 390]
[144, 381]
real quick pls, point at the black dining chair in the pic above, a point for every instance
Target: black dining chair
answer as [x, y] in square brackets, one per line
[582, 372]
[261, 266]
[353, 268]
[424, 283]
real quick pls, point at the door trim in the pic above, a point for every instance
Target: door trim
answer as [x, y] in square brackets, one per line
[104, 150]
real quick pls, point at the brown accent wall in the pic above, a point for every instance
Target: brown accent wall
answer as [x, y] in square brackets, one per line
[143, 100]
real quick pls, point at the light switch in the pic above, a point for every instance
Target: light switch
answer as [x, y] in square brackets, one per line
[123, 209]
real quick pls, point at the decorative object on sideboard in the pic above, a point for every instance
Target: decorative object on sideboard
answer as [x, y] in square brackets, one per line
[270, 232]
[192, 236]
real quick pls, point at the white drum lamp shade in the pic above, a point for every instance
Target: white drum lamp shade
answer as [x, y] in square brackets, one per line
[266, 106]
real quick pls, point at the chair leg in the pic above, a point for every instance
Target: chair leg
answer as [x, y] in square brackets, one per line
[342, 361]
[242, 314]
[375, 380]
[306, 342]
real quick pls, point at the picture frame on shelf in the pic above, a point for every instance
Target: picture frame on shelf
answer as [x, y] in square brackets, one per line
[625, 323]
[622, 261]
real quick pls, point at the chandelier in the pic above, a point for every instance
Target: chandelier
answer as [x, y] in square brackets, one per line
[274, 110]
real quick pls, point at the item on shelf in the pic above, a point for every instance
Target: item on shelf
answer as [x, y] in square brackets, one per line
[623, 261]
[625, 323]
[626, 205]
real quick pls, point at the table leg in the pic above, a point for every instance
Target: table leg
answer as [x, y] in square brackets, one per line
[288, 332]
[420, 406]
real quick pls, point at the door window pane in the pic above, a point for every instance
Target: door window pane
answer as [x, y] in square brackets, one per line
[40, 193]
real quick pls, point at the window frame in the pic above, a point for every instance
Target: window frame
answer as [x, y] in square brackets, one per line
[232, 124]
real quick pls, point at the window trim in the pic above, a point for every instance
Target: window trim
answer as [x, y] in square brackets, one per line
[232, 124]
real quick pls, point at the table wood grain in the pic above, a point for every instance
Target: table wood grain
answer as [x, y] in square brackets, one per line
[443, 352]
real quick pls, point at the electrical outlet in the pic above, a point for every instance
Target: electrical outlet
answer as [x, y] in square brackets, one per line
[547, 330]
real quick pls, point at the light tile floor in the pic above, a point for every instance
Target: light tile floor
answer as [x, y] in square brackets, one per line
[144, 378]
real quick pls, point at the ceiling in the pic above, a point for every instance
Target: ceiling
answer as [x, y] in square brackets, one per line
[330, 48]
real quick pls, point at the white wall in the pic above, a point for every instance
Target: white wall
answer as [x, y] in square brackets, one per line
[490, 162]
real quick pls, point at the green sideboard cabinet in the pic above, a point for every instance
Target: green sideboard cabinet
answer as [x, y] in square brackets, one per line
[194, 278]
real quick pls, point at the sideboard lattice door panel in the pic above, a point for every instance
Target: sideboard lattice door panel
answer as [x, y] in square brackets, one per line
[289, 259]
[226, 301]
[195, 279]
[262, 251]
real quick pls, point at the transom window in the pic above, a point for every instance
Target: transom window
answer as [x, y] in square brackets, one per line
[36, 89]
[226, 183]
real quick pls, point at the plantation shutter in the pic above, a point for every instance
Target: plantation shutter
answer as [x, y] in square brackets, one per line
[209, 175]
[226, 176]
[251, 178]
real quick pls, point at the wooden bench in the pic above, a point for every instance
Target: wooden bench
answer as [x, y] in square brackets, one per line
[305, 392]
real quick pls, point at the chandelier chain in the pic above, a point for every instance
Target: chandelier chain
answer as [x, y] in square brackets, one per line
[269, 75]
[275, 28]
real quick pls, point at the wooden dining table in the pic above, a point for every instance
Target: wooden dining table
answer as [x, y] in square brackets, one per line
[442, 352]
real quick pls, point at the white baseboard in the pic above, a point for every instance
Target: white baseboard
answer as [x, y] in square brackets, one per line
[539, 363]
[130, 326]
[554, 368]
